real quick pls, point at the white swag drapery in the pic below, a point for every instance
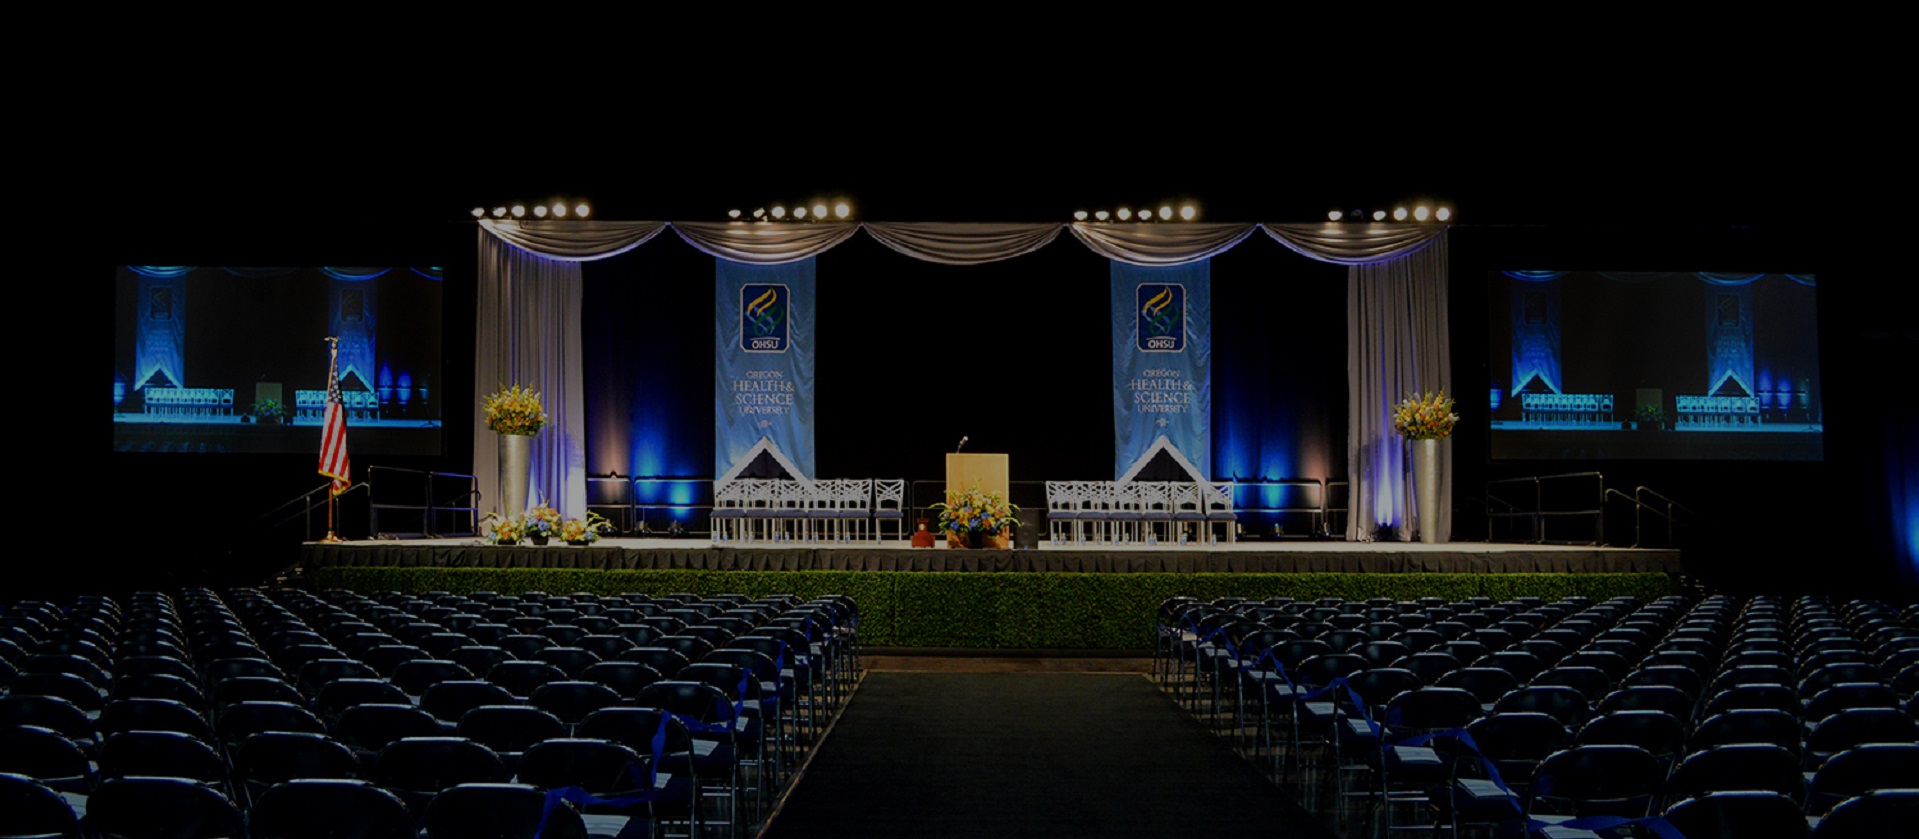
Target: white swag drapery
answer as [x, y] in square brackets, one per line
[528, 330]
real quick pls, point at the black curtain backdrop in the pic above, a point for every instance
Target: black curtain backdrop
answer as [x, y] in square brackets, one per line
[1015, 355]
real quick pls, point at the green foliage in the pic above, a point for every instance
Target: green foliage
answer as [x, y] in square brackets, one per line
[999, 611]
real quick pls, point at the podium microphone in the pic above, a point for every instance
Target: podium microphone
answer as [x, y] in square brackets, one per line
[962, 444]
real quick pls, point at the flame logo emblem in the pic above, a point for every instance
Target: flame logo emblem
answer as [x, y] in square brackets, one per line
[1162, 317]
[763, 318]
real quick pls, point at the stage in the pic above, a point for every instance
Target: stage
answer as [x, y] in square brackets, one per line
[1280, 557]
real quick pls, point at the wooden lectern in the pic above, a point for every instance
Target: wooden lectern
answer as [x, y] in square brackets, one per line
[987, 470]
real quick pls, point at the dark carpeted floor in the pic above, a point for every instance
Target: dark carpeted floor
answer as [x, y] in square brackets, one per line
[1057, 755]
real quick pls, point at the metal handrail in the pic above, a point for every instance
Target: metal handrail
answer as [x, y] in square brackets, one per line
[1668, 514]
[1640, 508]
[1343, 511]
[1538, 514]
[430, 508]
[306, 506]
[1316, 513]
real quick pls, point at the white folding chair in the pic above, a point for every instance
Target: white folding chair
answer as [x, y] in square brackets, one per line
[1189, 511]
[855, 508]
[1219, 510]
[1096, 510]
[728, 520]
[1062, 509]
[889, 504]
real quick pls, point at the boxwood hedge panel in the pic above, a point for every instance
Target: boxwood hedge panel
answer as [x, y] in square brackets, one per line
[999, 611]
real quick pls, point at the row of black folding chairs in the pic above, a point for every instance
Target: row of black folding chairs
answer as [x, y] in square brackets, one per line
[1211, 647]
[349, 694]
[327, 809]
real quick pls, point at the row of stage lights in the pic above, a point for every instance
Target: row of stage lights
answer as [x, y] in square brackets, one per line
[1166, 212]
[557, 209]
[840, 211]
[1417, 213]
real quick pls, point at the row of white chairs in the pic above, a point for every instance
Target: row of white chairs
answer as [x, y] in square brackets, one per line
[1717, 410]
[194, 401]
[360, 404]
[1117, 512]
[825, 510]
[1567, 408]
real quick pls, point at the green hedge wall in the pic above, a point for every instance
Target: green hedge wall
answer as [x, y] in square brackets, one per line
[999, 611]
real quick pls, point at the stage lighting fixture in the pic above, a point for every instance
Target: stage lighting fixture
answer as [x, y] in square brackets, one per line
[1102, 215]
[1333, 215]
[1079, 215]
[1421, 212]
[819, 211]
[1399, 214]
[479, 212]
[1125, 214]
[733, 214]
[1188, 212]
[539, 211]
[519, 211]
[1443, 214]
[582, 210]
[1379, 215]
[559, 209]
[799, 213]
[759, 213]
[779, 212]
[1165, 212]
[842, 210]
[499, 212]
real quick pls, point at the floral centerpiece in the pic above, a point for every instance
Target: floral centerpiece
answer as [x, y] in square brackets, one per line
[541, 522]
[1425, 417]
[975, 515]
[503, 530]
[269, 412]
[584, 531]
[515, 410]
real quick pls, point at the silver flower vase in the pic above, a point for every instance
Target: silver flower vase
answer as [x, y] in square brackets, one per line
[516, 466]
[1426, 484]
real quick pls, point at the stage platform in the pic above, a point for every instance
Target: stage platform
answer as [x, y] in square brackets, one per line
[1245, 557]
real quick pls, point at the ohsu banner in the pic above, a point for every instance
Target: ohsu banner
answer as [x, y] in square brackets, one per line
[763, 361]
[1162, 362]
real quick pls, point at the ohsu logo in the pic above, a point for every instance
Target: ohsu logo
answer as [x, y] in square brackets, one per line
[763, 313]
[1162, 317]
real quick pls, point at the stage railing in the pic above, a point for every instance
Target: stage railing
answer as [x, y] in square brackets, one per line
[1661, 506]
[460, 509]
[619, 511]
[633, 513]
[308, 506]
[1536, 513]
[1277, 515]
[1340, 509]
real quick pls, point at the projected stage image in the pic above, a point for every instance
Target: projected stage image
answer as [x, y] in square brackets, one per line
[1663, 365]
[212, 360]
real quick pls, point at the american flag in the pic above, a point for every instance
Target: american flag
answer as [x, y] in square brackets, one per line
[333, 462]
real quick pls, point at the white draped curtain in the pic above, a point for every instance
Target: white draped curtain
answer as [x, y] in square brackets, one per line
[530, 303]
[529, 334]
[1398, 344]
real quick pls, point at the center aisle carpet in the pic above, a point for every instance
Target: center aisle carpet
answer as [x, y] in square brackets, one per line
[1029, 754]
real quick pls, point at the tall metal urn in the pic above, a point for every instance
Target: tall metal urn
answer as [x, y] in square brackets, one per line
[516, 466]
[1426, 479]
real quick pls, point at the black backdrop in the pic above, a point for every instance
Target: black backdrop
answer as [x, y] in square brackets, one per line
[1016, 356]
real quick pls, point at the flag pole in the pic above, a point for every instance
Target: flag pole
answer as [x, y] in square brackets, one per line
[333, 386]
